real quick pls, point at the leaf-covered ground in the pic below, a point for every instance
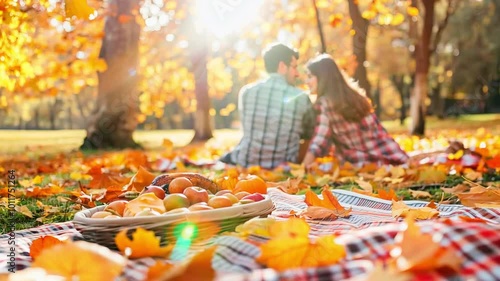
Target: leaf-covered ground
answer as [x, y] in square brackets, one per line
[51, 186]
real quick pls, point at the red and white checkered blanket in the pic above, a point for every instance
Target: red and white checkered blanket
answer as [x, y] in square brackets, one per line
[367, 235]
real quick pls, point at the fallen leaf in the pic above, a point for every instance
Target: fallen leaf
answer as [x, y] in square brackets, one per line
[42, 243]
[198, 268]
[105, 179]
[366, 186]
[290, 186]
[144, 243]
[24, 210]
[298, 251]
[387, 195]
[157, 270]
[380, 273]
[419, 194]
[140, 180]
[329, 201]
[481, 197]
[256, 226]
[318, 213]
[144, 201]
[416, 251]
[431, 175]
[400, 209]
[82, 261]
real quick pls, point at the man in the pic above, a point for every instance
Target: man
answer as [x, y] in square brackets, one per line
[275, 115]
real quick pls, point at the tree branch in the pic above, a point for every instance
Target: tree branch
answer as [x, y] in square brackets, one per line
[450, 10]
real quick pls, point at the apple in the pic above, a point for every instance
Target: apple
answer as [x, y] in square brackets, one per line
[178, 185]
[241, 194]
[177, 211]
[200, 207]
[219, 202]
[157, 190]
[147, 212]
[231, 197]
[256, 197]
[175, 200]
[100, 215]
[116, 207]
[196, 194]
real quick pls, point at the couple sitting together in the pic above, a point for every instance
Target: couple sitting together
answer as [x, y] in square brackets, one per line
[279, 119]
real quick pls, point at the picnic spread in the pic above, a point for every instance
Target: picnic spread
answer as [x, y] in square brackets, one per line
[367, 234]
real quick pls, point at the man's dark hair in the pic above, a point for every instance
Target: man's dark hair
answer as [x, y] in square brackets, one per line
[277, 52]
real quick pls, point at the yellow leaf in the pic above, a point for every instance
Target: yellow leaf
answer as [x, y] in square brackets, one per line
[24, 210]
[144, 243]
[198, 268]
[78, 8]
[431, 175]
[82, 261]
[142, 202]
[420, 194]
[412, 11]
[400, 209]
[256, 226]
[298, 251]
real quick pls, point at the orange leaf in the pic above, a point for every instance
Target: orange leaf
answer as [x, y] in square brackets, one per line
[140, 180]
[387, 195]
[142, 202]
[105, 180]
[82, 261]
[144, 243]
[400, 209]
[290, 186]
[42, 243]
[156, 271]
[298, 251]
[318, 213]
[420, 252]
[329, 201]
[198, 268]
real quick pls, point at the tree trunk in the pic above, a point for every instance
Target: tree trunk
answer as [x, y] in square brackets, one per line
[423, 52]
[360, 26]
[202, 119]
[114, 118]
[320, 27]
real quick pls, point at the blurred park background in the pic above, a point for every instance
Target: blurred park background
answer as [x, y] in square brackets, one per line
[119, 66]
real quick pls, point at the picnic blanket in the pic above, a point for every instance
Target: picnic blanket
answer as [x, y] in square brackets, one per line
[367, 235]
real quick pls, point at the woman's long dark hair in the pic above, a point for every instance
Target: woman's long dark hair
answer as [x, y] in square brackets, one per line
[346, 97]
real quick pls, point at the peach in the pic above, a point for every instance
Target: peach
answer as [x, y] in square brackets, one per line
[220, 202]
[177, 211]
[222, 192]
[157, 190]
[200, 207]
[175, 200]
[100, 215]
[178, 185]
[241, 194]
[196, 194]
[116, 207]
[147, 212]
[231, 197]
[112, 217]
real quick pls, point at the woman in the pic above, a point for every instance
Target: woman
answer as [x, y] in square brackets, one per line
[346, 121]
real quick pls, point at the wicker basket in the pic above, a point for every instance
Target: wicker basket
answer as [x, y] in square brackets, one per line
[103, 231]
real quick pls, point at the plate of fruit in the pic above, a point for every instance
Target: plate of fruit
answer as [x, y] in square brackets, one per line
[174, 198]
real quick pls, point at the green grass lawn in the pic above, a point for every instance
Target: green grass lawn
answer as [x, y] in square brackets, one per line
[46, 142]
